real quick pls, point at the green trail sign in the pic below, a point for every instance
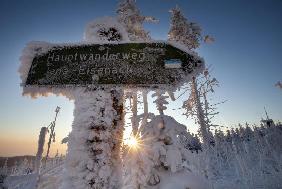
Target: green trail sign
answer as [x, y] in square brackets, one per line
[140, 64]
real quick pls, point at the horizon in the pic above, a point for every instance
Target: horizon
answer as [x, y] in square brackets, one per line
[245, 58]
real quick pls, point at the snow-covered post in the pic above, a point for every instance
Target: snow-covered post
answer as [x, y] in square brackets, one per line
[40, 149]
[117, 133]
[94, 143]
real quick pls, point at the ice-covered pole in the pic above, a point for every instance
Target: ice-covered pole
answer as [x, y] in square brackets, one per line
[40, 150]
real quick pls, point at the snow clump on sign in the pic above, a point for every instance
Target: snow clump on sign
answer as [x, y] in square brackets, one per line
[106, 29]
[31, 50]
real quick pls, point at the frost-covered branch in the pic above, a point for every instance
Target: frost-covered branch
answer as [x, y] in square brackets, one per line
[279, 85]
[198, 105]
[160, 101]
[183, 31]
[130, 16]
[52, 135]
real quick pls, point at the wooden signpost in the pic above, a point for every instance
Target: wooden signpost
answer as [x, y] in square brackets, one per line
[99, 65]
[135, 64]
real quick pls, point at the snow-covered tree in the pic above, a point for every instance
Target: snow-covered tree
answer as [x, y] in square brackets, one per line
[159, 151]
[183, 31]
[4, 169]
[2, 178]
[160, 101]
[15, 168]
[279, 85]
[199, 106]
[24, 167]
[130, 16]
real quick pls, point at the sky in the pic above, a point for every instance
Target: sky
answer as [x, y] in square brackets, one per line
[245, 58]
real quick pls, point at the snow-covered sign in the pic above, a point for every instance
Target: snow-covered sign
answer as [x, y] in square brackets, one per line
[135, 64]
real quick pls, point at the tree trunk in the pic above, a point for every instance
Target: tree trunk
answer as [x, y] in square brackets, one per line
[200, 113]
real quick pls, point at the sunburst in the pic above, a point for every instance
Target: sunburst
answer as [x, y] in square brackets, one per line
[133, 142]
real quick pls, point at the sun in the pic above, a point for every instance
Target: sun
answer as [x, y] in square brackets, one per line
[132, 142]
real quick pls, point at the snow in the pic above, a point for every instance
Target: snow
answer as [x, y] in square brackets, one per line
[31, 50]
[244, 158]
[161, 158]
[106, 23]
[91, 158]
[167, 155]
[21, 182]
[52, 179]
[183, 180]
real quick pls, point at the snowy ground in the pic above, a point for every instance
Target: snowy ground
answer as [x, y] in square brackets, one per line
[50, 179]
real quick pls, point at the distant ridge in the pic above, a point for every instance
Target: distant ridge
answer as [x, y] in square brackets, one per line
[12, 160]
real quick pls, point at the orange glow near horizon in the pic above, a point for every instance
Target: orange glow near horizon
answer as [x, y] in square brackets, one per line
[20, 146]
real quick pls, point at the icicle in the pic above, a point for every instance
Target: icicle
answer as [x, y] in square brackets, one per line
[134, 114]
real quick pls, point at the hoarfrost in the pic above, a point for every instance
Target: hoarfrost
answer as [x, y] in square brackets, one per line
[104, 30]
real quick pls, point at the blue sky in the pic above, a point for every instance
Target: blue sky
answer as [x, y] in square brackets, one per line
[246, 57]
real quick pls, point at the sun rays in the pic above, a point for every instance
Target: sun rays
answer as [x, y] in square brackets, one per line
[133, 142]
